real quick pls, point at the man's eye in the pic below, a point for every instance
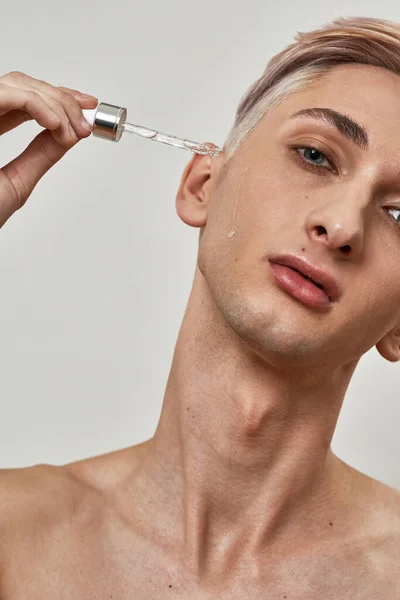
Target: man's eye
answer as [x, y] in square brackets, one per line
[313, 157]
[396, 209]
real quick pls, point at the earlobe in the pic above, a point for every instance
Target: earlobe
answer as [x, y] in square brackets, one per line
[389, 346]
[192, 195]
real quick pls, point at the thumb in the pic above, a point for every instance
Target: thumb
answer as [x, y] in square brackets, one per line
[20, 176]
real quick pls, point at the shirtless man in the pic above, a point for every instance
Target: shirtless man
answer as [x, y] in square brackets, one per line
[238, 495]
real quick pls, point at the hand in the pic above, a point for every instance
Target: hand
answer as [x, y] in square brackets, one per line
[59, 111]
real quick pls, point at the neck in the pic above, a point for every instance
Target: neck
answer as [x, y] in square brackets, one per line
[241, 457]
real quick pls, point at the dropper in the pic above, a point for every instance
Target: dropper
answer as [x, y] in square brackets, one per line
[109, 122]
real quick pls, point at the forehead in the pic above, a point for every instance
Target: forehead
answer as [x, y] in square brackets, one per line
[353, 81]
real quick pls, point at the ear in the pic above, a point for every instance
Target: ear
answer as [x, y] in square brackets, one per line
[389, 346]
[192, 198]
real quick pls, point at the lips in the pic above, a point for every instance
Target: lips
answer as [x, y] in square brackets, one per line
[319, 276]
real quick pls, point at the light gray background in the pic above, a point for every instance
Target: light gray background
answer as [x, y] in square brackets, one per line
[96, 269]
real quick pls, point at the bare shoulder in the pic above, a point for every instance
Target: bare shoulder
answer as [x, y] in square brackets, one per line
[105, 473]
[46, 495]
[380, 499]
[41, 507]
[29, 491]
[377, 510]
[46, 514]
[382, 554]
[34, 494]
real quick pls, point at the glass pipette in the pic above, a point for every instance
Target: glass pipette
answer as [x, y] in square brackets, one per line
[109, 122]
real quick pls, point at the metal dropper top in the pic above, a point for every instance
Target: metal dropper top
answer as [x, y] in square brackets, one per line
[109, 123]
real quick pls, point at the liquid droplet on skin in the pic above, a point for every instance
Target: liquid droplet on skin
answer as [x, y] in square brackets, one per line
[231, 233]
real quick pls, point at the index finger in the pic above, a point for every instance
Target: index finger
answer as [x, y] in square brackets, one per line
[12, 98]
[82, 98]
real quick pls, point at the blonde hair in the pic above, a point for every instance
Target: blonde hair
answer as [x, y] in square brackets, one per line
[361, 40]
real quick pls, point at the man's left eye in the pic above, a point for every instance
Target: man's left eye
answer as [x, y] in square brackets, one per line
[398, 216]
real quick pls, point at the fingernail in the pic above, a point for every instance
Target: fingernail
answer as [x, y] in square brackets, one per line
[85, 124]
[87, 96]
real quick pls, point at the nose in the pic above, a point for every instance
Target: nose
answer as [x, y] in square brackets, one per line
[339, 223]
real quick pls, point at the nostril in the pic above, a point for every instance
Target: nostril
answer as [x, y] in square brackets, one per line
[321, 230]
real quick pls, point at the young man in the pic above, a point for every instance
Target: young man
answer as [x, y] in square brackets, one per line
[238, 494]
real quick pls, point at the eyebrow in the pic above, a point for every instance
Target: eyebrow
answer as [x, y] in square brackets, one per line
[344, 125]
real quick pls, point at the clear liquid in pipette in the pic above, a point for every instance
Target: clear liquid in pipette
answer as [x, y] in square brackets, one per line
[171, 140]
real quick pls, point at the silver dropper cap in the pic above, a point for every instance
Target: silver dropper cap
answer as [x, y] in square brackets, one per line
[109, 122]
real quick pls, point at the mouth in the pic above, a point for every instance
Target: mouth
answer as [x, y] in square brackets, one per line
[309, 283]
[308, 278]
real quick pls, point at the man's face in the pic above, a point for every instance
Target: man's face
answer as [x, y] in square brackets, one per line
[341, 214]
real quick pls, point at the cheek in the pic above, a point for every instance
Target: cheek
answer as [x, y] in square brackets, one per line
[371, 303]
[257, 203]
[272, 202]
[381, 293]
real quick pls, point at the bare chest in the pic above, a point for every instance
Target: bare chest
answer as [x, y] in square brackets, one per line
[97, 569]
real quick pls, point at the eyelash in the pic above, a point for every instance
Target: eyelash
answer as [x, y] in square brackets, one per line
[319, 169]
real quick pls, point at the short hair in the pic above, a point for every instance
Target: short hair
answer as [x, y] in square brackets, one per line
[362, 40]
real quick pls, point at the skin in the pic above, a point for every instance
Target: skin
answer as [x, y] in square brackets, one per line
[238, 494]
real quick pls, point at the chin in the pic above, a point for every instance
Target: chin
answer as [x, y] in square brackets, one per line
[270, 331]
